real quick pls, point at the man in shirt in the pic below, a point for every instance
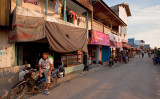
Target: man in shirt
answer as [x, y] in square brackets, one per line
[46, 65]
[142, 53]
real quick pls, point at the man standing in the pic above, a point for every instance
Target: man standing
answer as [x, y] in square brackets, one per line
[46, 64]
[142, 53]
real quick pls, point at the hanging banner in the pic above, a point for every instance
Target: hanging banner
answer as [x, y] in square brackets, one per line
[119, 42]
[100, 38]
[113, 40]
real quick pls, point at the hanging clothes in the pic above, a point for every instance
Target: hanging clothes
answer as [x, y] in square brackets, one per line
[31, 1]
[58, 7]
[73, 14]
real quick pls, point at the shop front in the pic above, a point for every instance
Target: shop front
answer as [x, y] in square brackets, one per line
[115, 44]
[34, 35]
[99, 47]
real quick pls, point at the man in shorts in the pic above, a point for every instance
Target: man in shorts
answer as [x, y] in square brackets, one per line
[46, 65]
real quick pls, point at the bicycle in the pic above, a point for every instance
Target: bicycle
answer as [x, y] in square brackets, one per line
[30, 85]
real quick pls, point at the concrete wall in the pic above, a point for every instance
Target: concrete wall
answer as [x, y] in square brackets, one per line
[97, 26]
[123, 14]
[40, 8]
[7, 51]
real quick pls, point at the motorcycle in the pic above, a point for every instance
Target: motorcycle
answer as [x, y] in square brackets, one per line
[156, 60]
[111, 62]
[31, 85]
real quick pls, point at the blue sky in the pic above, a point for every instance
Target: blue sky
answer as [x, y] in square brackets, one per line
[145, 20]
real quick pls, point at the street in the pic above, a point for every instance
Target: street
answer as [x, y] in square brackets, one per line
[139, 79]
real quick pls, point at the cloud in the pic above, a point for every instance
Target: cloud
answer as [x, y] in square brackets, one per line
[145, 24]
[150, 37]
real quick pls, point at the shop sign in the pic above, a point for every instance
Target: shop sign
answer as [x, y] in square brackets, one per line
[100, 38]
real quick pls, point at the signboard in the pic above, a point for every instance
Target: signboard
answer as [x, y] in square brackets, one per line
[100, 38]
[115, 41]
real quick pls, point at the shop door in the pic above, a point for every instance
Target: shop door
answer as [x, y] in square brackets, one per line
[105, 53]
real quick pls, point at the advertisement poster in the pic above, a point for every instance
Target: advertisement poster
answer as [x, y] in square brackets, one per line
[100, 38]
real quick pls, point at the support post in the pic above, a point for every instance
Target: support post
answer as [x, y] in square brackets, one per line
[16, 63]
[64, 11]
[87, 19]
[18, 2]
[91, 23]
[46, 7]
[97, 54]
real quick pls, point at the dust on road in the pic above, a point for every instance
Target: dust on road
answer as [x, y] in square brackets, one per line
[139, 79]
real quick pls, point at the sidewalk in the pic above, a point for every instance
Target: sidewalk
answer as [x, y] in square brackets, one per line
[7, 82]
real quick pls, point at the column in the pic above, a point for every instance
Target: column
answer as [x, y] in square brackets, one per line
[64, 11]
[87, 19]
[18, 2]
[46, 7]
[97, 54]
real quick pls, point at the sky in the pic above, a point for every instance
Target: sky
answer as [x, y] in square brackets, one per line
[144, 24]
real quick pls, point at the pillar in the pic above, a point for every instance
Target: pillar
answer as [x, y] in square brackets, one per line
[64, 11]
[87, 19]
[46, 7]
[97, 54]
[18, 2]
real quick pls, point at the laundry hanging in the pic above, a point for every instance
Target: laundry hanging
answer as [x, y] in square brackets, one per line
[73, 14]
[58, 7]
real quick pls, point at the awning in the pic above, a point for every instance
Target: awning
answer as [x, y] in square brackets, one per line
[105, 14]
[138, 49]
[99, 38]
[27, 29]
[65, 39]
[26, 26]
[127, 46]
[31, 26]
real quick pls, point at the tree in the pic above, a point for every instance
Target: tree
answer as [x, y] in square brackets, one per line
[157, 51]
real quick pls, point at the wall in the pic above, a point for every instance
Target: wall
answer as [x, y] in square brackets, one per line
[107, 30]
[123, 14]
[4, 12]
[97, 26]
[7, 51]
[40, 8]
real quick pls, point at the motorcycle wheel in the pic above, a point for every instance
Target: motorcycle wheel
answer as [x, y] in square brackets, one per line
[54, 80]
[17, 92]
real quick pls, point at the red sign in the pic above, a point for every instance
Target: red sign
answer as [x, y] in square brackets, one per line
[100, 38]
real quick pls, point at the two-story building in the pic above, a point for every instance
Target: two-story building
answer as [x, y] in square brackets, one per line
[109, 30]
[34, 26]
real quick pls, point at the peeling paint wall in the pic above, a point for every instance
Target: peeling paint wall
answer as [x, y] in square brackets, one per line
[7, 51]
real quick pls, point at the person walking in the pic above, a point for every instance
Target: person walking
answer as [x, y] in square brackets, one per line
[142, 53]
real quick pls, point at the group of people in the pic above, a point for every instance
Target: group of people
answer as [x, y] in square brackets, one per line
[121, 57]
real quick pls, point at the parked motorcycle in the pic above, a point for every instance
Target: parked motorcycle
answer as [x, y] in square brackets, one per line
[32, 85]
[111, 62]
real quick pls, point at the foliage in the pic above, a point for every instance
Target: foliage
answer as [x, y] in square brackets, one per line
[157, 51]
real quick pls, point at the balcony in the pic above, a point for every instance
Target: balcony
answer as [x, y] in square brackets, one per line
[103, 28]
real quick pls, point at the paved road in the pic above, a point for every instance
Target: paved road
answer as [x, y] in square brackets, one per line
[139, 79]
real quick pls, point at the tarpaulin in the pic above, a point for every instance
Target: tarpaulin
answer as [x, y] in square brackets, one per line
[64, 38]
[26, 29]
